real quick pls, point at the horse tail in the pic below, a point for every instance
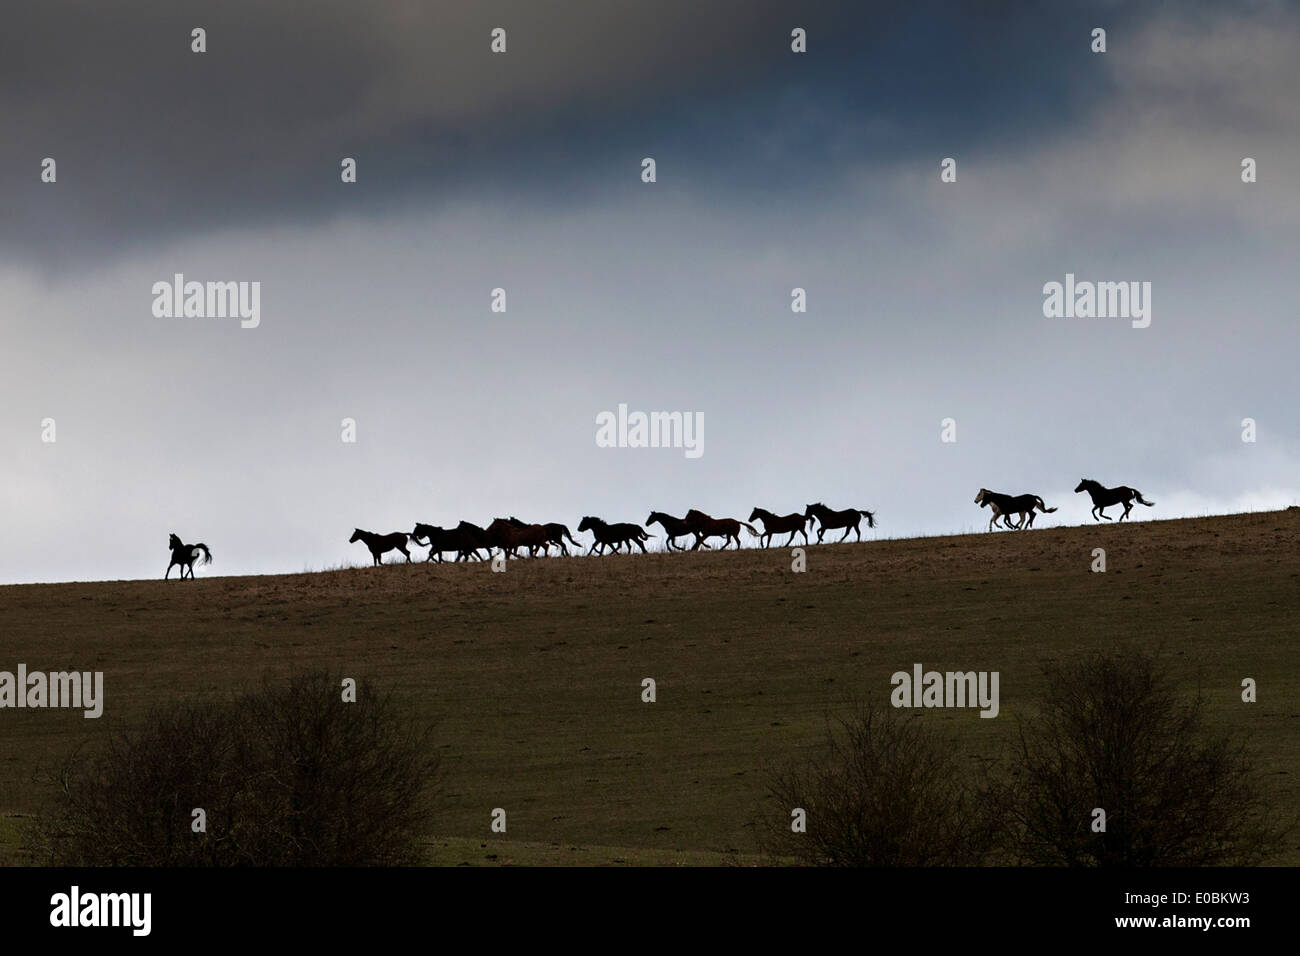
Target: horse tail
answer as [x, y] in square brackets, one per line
[752, 530]
[570, 537]
[207, 555]
[870, 516]
[1046, 510]
[1138, 495]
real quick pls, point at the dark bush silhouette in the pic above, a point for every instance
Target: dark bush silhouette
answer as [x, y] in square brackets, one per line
[886, 792]
[1113, 734]
[290, 776]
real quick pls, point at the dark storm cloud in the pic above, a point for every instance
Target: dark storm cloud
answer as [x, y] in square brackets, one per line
[154, 142]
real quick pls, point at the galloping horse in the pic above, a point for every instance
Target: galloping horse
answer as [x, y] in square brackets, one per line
[848, 519]
[381, 543]
[555, 534]
[613, 534]
[1103, 498]
[779, 524]
[185, 555]
[706, 526]
[510, 539]
[476, 537]
[443, 539]
[1004, 506]
[673, 528]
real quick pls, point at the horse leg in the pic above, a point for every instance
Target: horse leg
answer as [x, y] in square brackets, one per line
[856, 530]
[847, 529]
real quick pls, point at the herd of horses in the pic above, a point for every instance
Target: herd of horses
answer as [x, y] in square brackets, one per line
[1004, 506]
[512, 536]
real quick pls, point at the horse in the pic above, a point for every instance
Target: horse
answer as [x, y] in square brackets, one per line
[555, 534]
[779, 524]
[443, 539]
[1103, 498]
[510, 538]
[849, 519]
[474, 538]
[613, 534]
[1003, 506]
[380, 544]
[185, 555]
[706, 526]
[673, 528]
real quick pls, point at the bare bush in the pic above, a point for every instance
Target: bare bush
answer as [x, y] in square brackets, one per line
[885, 792]
[1112, 734]
[289, 776]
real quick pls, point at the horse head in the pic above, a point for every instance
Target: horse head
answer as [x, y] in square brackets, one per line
[588, 522]
[753, 515]
[1083, 485]
[356, 536]
[980, 498]
[174, 542]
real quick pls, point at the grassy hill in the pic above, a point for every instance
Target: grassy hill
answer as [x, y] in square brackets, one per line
[534, 675]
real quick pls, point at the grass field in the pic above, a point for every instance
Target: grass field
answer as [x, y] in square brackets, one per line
[533, 676]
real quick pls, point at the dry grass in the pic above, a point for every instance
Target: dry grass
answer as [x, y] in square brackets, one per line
[534, 676]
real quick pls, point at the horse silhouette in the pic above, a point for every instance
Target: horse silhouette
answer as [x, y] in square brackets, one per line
[555, 534]
[443, 539]
[510, 538]
[1103, 498]
[707, 526]
[1004, 506]
[613, 535]
[476, 536]
[380, 544]
[185, 555]
[673, 528]
[780, 524]
[849, 519]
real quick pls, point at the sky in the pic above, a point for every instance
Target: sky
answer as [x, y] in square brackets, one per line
[523, 171]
